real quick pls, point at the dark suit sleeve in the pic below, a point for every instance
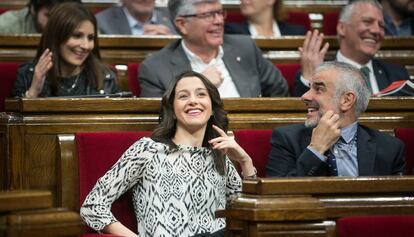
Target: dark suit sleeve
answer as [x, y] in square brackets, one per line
[399, 161]
[272, 82]
[299, 87]
[150, 84]
[291, 29]
[286, 158]
[23, 79]
[236, 28]
[110, 85]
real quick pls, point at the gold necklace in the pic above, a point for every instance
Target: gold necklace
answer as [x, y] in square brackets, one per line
[75, 83]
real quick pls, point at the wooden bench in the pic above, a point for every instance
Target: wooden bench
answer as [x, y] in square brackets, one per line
[25, 213]
[311, 206]
[267, 206]
[121, 51]
[315, 9]
[29, 128]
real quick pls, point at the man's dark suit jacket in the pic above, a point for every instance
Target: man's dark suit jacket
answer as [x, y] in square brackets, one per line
[253, 75]
[284, 27]
[377, 153]
[385, 73]
[387, 32]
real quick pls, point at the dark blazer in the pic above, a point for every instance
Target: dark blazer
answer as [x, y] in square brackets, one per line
[252, 74]
[114, 21]
[25, 77]
[377, 153]
[284, 27]
[385, 73]
[387, 32]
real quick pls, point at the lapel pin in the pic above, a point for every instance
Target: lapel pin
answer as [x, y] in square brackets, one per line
[238, 59]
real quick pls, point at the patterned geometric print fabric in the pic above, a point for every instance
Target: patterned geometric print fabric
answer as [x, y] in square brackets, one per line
[175, 191]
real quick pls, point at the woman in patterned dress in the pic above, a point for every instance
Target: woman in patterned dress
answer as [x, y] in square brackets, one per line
[182, 174]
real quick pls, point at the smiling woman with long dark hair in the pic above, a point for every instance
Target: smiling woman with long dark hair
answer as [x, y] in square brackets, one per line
[67, 61]
[181, 175]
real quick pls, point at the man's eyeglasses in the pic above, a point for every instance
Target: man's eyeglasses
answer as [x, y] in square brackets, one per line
[208, 16]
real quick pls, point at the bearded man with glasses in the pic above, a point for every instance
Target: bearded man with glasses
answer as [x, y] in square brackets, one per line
[234, 64]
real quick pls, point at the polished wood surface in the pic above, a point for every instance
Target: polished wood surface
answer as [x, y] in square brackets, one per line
[52, 222]
[30, 127]
[24, 200]
[29, 213]
[314, 203]
[309, 6]
[118, 49]
[329, 185]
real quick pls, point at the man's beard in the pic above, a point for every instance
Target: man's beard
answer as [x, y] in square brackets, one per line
[313, 122]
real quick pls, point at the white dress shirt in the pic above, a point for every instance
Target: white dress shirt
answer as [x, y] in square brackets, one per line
[275, 29]
[227, 87]
[137, 27]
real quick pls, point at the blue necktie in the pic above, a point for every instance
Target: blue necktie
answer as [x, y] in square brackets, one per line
[331, 160]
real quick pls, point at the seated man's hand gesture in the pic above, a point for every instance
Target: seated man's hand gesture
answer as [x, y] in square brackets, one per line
[312, 53]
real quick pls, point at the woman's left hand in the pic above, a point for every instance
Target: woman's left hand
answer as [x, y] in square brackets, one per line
[229, 147]
[234, 151]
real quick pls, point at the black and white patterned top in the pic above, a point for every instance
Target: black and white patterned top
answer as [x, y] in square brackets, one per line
[175, 191]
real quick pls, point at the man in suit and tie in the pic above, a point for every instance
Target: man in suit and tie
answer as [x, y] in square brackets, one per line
[360, 34]
[232, 63]
[332, 142]
[135, 17]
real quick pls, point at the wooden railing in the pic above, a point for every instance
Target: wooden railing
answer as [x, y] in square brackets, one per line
[31, 213]
[121, 50]
[310, 206]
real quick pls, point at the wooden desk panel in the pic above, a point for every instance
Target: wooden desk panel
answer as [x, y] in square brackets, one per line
[24, 200]
[29, 213]
[309, 206]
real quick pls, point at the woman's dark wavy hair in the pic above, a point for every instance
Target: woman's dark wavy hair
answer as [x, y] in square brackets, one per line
[166, 128]
[63, 20]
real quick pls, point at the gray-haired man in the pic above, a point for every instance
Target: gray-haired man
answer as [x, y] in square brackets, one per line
[233, 63]
[331, 142]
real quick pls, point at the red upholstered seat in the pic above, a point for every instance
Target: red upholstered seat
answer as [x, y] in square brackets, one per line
[97, 152]
[133, 83]
[235, 17]
[8, 72]
[330, 20]
[375, 226]
[289, 72]
[299, 18]
[407, 136]
[257, 144]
